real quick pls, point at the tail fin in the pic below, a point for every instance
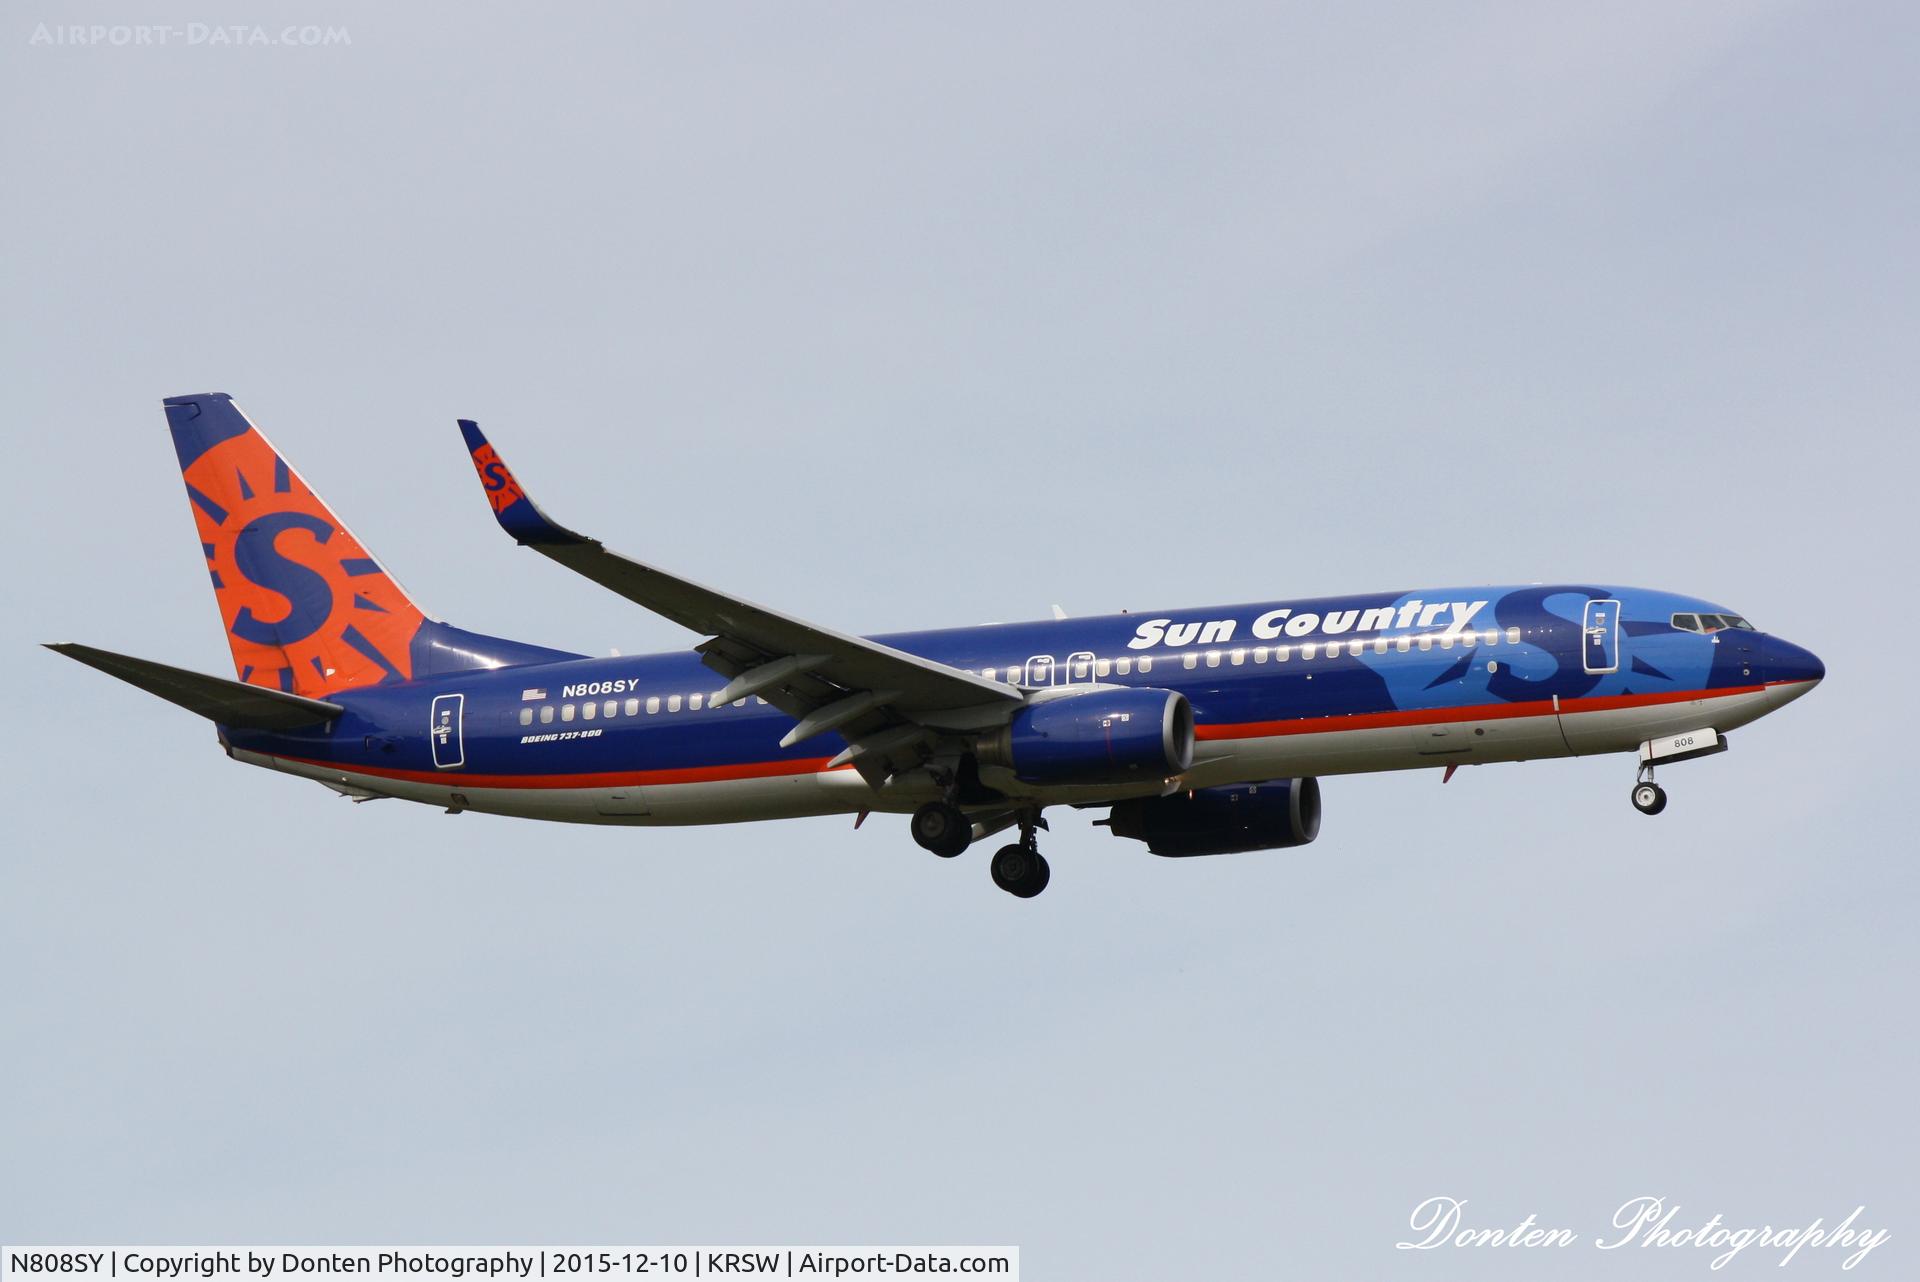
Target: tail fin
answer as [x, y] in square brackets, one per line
[306, 607]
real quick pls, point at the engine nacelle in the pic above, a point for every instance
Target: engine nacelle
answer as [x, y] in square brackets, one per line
[1225, 820]
[1101, 736]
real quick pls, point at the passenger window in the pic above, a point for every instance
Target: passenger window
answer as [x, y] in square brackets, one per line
[1190, 660]
[1403, 644]
[1213, 658]
[526, 716]
[589, 710]
[1281, 653]
[566, 712]
[1308, 650]
[1490, 637]
[693, 703]
[1123, 665]
[1080, 670]
[608, 708]
[673, 703]
[653, 704]
[1379, 645]
[546, 715]
[633, 707]
[1259, 654]
[1146, 664]
[991, 674]
[1239, 657]
[1513, 636]
[1101, 667]
[1446, 640]
[1426, 641]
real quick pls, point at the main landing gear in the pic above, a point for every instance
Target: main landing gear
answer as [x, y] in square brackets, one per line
[1019, 869]
[942, 828]
[1649, 798]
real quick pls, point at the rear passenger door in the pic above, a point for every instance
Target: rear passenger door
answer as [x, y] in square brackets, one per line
[445, 731]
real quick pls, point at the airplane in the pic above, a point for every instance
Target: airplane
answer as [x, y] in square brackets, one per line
[1200, 731]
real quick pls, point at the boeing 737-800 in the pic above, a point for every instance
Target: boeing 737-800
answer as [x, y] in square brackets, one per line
[1200, 731]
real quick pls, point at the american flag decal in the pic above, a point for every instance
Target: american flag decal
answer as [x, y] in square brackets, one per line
[528, 696]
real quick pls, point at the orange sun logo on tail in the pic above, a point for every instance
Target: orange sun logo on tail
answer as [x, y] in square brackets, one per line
[306, 607]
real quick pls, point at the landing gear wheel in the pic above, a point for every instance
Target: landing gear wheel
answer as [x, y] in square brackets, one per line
[942, 828]
[1649, 798]
[1020, 870]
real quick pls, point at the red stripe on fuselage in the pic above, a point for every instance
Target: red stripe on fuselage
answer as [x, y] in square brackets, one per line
[1446, 716]
[1238, 730]
[603, 779]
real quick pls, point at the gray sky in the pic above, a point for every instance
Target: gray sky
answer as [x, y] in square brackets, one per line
[900, 317]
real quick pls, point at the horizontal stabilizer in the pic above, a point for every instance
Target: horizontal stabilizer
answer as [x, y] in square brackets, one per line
[230, 703]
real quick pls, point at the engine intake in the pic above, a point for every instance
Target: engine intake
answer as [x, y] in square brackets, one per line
[1101, 736]
[1223, 821]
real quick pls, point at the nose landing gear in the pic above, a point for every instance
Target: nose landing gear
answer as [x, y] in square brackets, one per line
[1649, 798]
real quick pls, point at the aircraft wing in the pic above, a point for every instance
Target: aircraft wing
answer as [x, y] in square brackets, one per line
[880, 699]
[227, 702]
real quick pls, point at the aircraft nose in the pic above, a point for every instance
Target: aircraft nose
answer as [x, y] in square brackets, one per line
[1791, 671]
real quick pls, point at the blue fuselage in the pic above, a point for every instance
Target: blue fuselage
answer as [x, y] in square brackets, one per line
[1278, 689]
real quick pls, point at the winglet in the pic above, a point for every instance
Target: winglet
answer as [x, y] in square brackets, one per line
[518, 515]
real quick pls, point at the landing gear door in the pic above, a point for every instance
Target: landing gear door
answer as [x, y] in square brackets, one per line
[443, 728]
[1600, 637]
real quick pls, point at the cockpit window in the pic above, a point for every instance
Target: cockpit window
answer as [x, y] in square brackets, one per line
[1711, 622]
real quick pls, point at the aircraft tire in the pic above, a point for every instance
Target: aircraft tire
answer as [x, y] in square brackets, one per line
[1649, 798]
[1020, 870]
[942, 829]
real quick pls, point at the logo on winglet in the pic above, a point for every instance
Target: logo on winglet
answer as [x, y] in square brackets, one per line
[502, 490]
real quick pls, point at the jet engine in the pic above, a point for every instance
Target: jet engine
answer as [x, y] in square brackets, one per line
[1101, 736]
[1223, 821]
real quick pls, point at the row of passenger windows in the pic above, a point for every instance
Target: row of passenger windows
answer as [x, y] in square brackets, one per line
[1079, 668]
[1710, 622]
[611, 708]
